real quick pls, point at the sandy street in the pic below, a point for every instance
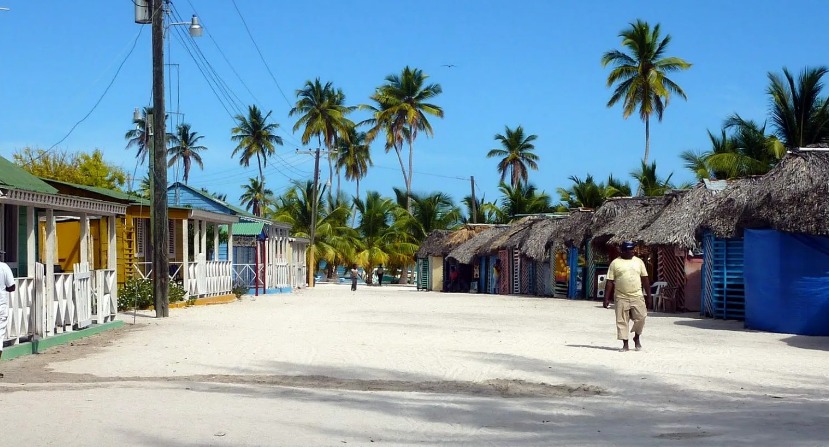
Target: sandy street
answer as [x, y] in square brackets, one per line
[393, 366]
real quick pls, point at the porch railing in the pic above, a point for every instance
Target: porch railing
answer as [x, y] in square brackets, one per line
[21, 319]
[209, 278]
[145, 270]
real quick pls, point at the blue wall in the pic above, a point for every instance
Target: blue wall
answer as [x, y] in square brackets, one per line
[187, 198]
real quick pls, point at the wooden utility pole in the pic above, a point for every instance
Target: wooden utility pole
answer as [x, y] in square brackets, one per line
[158, 175]
[474, 201]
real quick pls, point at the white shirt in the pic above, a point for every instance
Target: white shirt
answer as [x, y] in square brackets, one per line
[6, 280]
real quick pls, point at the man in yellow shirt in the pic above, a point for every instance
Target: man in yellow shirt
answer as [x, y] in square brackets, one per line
[627, 277]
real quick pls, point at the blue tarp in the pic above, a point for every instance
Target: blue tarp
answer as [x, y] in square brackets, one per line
[787, 282]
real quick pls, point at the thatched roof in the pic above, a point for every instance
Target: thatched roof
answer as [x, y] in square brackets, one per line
[573, 230]
[433, 244]
[792, 197]
[518, 232]
[441, 242]
[624, 219]
[477, 245]
[535, 245]
[691, 212]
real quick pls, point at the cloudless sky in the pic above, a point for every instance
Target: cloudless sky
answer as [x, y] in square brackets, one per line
[533, 63]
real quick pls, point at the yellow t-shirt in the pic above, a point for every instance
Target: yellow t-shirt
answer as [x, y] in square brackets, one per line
[626, 275]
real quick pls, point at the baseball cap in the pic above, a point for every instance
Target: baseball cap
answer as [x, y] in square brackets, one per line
[628, 245]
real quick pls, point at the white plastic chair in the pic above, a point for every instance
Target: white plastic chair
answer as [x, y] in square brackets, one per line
[657, 294]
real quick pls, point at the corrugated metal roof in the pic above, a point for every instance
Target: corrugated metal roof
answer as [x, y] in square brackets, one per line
[109, 193]
[245, 228]
[15, 177]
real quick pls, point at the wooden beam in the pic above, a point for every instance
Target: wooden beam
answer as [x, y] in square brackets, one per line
[31, 241]
[50, 251]
[185, 274]
[84, 239]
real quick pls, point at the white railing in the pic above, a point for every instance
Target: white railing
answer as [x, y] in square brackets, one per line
[278, 275]
[21, 319]
[145, 269]
[245, 275]
[63, 306]
[82, 284]
[105, 294]
[218, 278]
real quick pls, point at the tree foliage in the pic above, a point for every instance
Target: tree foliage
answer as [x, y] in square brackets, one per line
[81, 168]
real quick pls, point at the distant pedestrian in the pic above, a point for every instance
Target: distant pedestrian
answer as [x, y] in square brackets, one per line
[354, 275]
[6, 287]
[496, 275]
[626, 278]
[380, 273]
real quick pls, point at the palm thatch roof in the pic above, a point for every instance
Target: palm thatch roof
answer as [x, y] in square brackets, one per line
[518, 232]
[573, 230]
[792, 197]
[433, 244]
[477, 245]
[536, 243]
[441, 242]
[624, 219]
[690, 213]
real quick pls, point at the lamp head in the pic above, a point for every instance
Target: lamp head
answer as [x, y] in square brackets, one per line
[195, 29]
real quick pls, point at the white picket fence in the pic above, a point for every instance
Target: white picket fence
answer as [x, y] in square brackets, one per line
[209, 278]
[278, 275]
[79, 299]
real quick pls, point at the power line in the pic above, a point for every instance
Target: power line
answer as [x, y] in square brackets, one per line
[260, 54]
[426, 173]
[101, 98]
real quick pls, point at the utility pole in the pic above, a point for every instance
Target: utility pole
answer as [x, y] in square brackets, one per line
[312, 232]
[474, 201]
[158, 179]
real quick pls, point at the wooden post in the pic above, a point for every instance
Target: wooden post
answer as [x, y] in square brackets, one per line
[196, 225]
[49, 297]
[112, 259]
[185, 274]
[203, 235]
[84, 239]
[230, 243]
[256, 266]
[215, 242]
[31, 241]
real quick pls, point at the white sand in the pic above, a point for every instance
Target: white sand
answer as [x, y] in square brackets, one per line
[697, 382]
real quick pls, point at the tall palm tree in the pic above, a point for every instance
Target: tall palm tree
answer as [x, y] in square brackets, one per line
[354, 157]
[649, 180]
[255, 197]
[641, 74]
[799, 114]
[323, 114]
[435, 211]
[516, 155]
[402, 106]
[484, 211]
[185, 147]
[138, 137]
[255, 137]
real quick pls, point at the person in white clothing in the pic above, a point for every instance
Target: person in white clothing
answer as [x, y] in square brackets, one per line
[6, 287]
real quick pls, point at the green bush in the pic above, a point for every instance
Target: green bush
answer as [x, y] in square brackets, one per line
[138, 293]
[239, 290]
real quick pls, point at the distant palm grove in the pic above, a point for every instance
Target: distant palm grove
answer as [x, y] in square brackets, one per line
[372, 228]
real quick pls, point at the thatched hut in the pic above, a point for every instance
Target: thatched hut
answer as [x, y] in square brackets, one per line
[431, 255]
[476, 253]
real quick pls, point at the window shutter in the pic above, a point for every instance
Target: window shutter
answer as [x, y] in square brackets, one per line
[171, 238]
[139, 238]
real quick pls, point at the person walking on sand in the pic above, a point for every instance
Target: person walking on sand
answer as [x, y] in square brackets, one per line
[496, 275]
[354, 275]
[6, 287]
[626, 277]
[380, 273]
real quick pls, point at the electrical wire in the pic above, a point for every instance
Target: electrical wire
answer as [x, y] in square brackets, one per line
[101, 98]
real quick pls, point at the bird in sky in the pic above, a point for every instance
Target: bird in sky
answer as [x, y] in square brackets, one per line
[448, 65]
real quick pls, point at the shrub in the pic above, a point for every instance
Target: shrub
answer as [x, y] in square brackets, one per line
[138, 293]
[177, 292]
[239, 290]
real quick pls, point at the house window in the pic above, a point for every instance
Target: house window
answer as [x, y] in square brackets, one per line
[139, 238]
[171, 238]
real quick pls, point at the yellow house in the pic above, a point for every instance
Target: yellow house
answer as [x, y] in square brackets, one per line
[188, 262]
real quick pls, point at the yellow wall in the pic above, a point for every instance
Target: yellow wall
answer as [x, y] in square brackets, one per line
[68, 243]
[436, 266]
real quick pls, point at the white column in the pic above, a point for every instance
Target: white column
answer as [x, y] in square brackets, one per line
[215, 242]
[84, 239]
[112, 247]
[31, 241]
[185, 274]
[230, 243]
[203, 235]
[196, 240]
[49, 297]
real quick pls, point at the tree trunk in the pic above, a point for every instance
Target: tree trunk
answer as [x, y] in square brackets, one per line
[186, 169]
[261, 174]
[409, 180]
[354, 211]
[647, 148]
[339, 178]
[330, 173]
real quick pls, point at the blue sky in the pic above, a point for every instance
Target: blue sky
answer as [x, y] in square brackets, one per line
[534, 63]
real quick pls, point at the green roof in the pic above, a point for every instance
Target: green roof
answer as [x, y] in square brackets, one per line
[15, 177]
[110, 193]
[245, 228]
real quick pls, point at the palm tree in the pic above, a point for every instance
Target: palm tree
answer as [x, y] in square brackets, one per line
[255, 197]
[334, 240]
[185, 148]
[256, 138]
[401, 112]
[650, 183]
[323, 114]
[799, 115]
[484, 211]
[354, 157]
[642, 74]
[516, 154]
[521, 200]
[435, 211]
[138, 137]
[589, 194]
[382, 233]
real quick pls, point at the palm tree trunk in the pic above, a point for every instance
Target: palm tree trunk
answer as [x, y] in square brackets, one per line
[186, 169]
[353, 212]
[330, 173]
[647, 148]
[261, 174]
[409, 180]
[339, 178]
